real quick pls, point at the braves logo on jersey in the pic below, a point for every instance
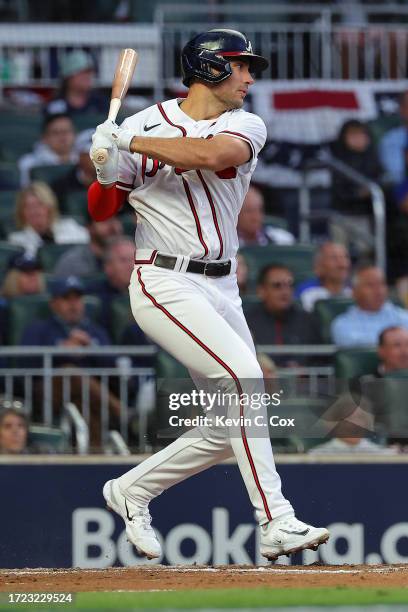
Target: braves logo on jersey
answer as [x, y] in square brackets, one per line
[189, 212]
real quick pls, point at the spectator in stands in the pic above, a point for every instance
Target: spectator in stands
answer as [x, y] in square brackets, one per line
[393, 145]
[55, 147]
[68, 326]
[87, 259]
[76, 95]
[13, 429]
[393, 350]
[119, 261]
[24, 277]
[387, 387]
[354, 147]
[242, 274]
[362, 323]
[277, 319]
[39, 223]
[332, 269]
[80, 177]
[252, 229]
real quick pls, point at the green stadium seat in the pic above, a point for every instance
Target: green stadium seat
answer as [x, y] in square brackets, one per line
[128, 223]
[381, 125]
[168, 367]
[298, 258]
[329, 309]
[87, 121]
[9, 176]
[7, 212]
[19, 132]
[248, 301]
[49, 174]
[355, 362]
[276, 221]
[120, 317]
[6, 252]
[24, 310]
[50, 253]
[48, 439]
[395, 395]
[75, 203]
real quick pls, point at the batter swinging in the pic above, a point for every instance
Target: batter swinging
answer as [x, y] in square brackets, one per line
[192, 162]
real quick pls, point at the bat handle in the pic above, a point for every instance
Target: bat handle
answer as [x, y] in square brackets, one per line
[100, 156]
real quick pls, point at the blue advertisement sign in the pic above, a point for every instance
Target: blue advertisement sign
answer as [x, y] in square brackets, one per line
[54, 515]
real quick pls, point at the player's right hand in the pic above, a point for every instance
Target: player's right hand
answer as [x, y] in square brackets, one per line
[106, 173]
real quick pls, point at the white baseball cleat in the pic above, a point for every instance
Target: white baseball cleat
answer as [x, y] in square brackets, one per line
[288, 535]
[137, 520]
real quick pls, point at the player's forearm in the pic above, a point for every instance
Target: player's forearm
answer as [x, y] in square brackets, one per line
[186, 153]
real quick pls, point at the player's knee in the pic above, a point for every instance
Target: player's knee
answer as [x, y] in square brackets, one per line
[248, 370]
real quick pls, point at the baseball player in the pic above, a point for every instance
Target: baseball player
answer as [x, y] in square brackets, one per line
[185, 166]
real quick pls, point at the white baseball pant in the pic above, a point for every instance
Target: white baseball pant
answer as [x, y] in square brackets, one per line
[199, 320]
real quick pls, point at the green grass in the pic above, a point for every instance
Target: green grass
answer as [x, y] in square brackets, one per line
[228, 598]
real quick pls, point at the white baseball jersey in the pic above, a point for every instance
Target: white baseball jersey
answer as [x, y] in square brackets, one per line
[188, 212]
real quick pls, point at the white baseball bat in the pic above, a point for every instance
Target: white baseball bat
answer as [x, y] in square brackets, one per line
[125, 68]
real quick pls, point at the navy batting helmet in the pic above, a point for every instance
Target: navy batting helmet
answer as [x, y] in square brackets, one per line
[212, 49]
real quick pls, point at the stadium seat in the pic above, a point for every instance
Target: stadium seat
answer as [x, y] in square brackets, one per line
[19, 132]
[50, 253]
[49, 174]
[6, 251]
[395, 403]
[48, 439]
[355, 362]
[248, 301]
[276, 221]
[329, 309]
[381, 125]
[9, 177]
[24, 310]
[75, 203]
[168, 367]
[7, 210]
[128, 223]
[86, 121]
[120, 317]
[298, 258]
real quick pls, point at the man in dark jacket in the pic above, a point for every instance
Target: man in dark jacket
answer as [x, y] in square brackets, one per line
[277, 319]
[69, 327]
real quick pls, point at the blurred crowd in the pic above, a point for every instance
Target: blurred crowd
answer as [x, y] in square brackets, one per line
[72, 273]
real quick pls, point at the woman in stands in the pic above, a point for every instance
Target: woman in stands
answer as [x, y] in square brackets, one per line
[38, 221]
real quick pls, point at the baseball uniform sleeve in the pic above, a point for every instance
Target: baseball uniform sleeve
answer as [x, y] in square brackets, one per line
[127, 167]
[247, 127]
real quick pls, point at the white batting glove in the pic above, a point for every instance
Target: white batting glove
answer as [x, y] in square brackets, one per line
[121, 136]
[106, 173]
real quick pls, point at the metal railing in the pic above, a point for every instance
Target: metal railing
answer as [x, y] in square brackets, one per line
[18, 381]
[301, 42]
[317, 41]
[35, 385]
[326, 160]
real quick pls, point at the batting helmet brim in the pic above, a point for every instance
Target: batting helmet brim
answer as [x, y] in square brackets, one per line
[257, 62]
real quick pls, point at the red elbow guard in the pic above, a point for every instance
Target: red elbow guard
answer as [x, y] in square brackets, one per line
[103, 203]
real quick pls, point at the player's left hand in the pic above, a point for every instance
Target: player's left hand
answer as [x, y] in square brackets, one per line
[119, 135]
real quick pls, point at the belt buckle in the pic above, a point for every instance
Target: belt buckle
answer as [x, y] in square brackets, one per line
[205, 268]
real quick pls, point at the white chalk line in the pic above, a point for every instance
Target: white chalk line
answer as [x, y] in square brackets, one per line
[233, 570]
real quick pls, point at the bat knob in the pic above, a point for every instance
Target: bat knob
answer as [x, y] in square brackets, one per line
[100, 156]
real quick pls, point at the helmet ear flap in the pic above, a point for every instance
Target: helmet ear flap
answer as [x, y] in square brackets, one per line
[204, 65]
